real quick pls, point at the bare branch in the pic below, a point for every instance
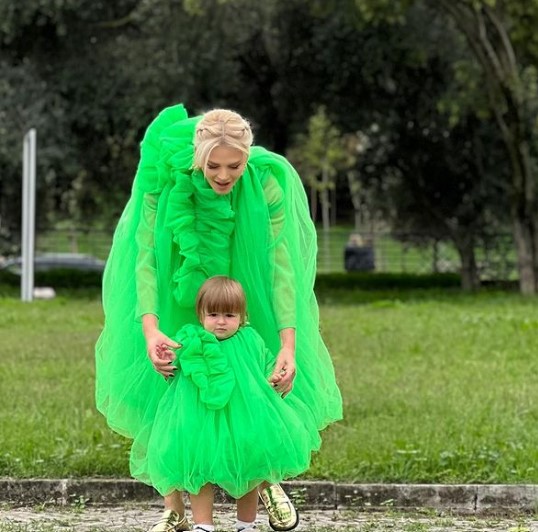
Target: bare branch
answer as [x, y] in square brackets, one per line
[491, 53]
[505, 38]
[463, 15]
[120, 22]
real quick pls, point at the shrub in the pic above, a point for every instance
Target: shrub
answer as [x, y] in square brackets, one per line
[386, 281]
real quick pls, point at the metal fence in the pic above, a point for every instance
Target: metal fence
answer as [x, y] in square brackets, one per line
[394, 253]
[412, 253]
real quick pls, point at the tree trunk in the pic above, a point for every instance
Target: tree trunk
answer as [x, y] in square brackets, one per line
[524, 218]
[469, 271]
[354, 192]
[325, 201]
[314, 203]
[435, 256]
[333, 206]
[524, 240]
[357, 219]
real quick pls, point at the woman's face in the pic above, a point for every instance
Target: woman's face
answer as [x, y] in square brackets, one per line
[224, 167]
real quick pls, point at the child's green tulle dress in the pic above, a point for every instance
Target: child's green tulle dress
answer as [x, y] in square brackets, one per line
[220, 421]
[175, 233]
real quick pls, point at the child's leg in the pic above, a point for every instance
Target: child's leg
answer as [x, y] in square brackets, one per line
[202, 506]
[174, 501]
[173, 518]
[247, 507]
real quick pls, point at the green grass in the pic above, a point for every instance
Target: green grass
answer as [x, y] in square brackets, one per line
[49, 423]
[438, 386]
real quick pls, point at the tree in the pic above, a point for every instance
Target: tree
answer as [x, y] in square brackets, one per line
[502, 40]
[486, 26]
[318, 154]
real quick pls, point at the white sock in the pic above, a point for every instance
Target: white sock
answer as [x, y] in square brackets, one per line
[240, 525]
[201, 527]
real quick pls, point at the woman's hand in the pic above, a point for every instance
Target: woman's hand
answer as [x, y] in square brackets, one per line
[159, 347]
[160, 353]
[284, 372]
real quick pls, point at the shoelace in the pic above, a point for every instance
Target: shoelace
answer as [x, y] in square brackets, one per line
[277, 503]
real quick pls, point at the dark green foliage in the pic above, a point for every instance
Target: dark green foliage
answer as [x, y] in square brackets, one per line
[386, 281]
[65, 278]
[58, 278]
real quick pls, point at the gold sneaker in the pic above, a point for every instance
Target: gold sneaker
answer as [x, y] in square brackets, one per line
[281, 512]
[170, 521]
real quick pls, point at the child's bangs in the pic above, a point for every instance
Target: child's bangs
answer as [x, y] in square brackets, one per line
[224, 303]
[224, 300]
[221, 295]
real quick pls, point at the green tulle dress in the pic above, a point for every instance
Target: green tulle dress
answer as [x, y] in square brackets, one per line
[220, 421]
[174, 233]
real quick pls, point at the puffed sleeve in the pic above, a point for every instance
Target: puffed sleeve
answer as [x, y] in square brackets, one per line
[146, 267]
[151, 177]
[284, 296]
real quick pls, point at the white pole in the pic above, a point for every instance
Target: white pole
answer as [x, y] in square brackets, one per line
[28, 215]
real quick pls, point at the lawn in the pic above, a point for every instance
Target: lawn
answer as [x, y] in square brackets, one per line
[437, 386]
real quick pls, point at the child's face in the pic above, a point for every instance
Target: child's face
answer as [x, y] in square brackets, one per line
[222, 325]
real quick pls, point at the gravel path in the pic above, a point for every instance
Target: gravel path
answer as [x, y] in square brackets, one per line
[138, 518]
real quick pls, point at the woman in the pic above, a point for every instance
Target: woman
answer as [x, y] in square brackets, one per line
[204, 203]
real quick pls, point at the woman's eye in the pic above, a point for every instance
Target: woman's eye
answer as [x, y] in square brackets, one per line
[235, 167]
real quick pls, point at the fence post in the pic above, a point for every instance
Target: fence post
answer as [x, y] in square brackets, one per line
[28, 215]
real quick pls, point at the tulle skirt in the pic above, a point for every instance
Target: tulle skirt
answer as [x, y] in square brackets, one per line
[271, 250]
[255, 436]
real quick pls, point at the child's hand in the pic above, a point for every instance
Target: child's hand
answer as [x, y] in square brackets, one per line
[284, 372]
[160, 352]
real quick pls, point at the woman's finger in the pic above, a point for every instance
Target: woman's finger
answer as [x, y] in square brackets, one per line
[166, 370]
[170, 344]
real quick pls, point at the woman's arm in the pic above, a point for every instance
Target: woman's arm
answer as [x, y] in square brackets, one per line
[283, 291]
[283, 277]
[159, 346]
[284, 372]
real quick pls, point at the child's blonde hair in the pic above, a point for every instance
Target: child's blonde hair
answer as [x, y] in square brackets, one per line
[223, 295]
[220, 127]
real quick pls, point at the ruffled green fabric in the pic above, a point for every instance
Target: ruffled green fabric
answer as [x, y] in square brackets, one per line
[255, 436]
[173, 234]
[202, 229]
[202, 359]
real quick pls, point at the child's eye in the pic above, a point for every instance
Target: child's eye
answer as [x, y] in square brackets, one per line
[212, 314]
[231, 315]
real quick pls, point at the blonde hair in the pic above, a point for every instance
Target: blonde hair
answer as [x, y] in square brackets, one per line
[220, 127]
[223, 295]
